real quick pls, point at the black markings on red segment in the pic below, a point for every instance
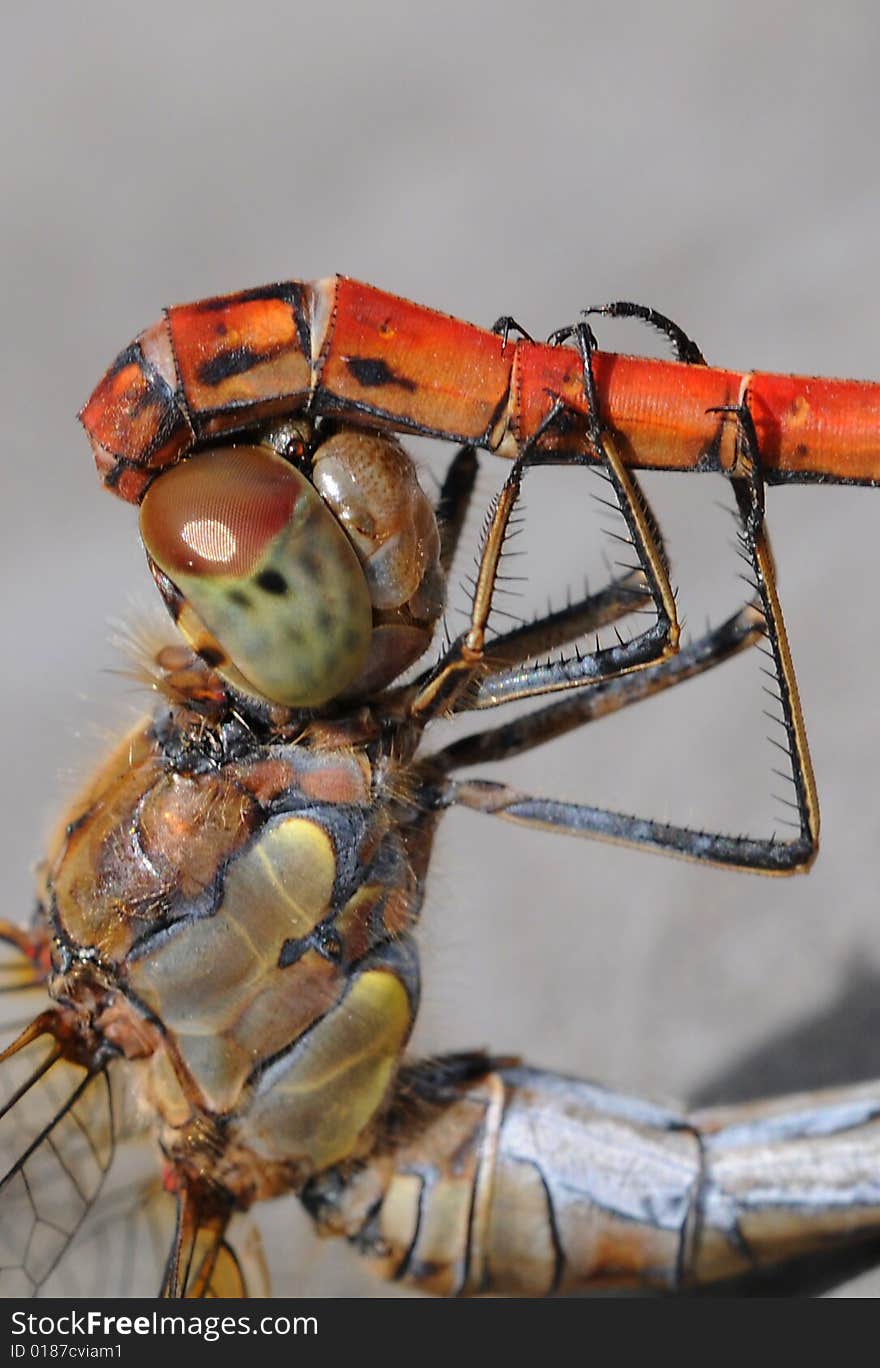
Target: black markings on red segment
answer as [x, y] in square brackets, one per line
[211, 656]
[131, 356]
[710, 458]
[225, 364]
[288, 291]
[497, 414]
[302, 318]
[372, 372]
[157, 391]
[171, 421]
[156, 394]
[327, 403]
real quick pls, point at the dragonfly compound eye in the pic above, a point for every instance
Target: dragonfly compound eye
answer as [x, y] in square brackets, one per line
[259, 575]
[370, 483]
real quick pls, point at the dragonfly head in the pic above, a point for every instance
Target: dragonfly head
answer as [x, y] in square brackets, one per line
[298, 591]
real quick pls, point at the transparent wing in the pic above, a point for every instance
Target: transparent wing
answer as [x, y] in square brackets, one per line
[56, 1121]
[122, 1249]
[63, 1231]
[56, 1146]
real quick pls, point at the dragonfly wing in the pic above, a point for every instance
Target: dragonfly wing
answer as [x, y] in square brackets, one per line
[122, 1247]
[56, 1146]
[63, 1232]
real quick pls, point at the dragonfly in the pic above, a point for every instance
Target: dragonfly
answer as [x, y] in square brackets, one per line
[224, 943]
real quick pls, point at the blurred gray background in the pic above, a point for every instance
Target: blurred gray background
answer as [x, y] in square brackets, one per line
[719, 162]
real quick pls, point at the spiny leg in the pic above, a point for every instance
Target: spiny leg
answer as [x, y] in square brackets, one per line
[623, 595]
[577, 619]
[587, 615]
[465, 662]
[583, 617]
[737, 633]
[685, 347]
[620, 596]
[766, 855]
[498, 1178]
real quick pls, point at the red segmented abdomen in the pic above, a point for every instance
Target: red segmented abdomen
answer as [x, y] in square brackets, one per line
[223, 365]
[386, 361]
[817, 428]
[216, 366]
[135, 418]
[244, 358]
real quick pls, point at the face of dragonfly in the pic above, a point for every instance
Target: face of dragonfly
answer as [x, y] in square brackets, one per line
[298, 590]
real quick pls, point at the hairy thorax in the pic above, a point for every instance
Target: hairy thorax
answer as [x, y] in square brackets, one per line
[230, 907]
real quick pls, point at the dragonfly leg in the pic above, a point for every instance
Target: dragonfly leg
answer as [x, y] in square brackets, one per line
[761, 619]
[685, 347]
[744, 629]
[511, 648]
[505, 325]
[582, 617]
[199, 1253]
[522, 1182]
[466, 662]
[455, 499]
